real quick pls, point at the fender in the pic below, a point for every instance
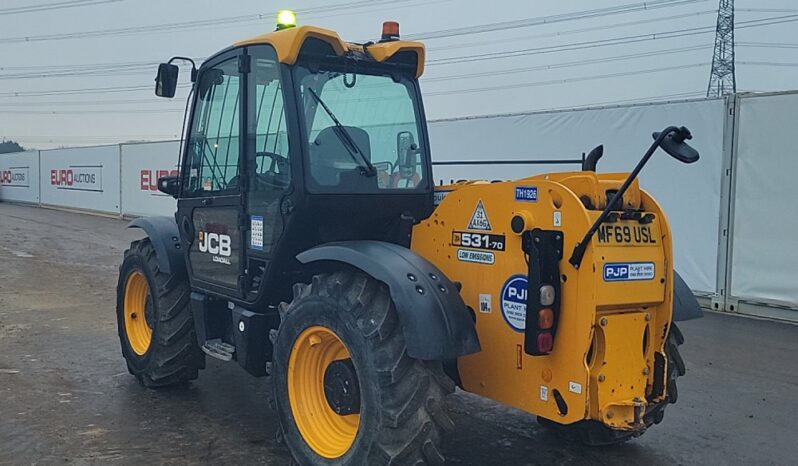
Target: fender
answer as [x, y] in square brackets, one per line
[436, 323]
[165, 238]
[685, 304]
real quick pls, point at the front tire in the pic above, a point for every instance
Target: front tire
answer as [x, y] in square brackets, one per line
[156, 328]
[348, 320]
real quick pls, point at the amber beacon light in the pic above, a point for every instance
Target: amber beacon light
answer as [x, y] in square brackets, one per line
[390, 31]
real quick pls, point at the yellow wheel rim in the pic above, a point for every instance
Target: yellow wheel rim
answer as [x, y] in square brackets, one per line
[329, 434]
[138, 331]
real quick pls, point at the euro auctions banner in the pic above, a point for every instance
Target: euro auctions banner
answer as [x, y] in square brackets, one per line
[15, 176]
[78, 178]
[19, 177]
[142, 165]
[81, 178]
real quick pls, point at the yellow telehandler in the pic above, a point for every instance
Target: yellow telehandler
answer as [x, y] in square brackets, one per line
[311, 245]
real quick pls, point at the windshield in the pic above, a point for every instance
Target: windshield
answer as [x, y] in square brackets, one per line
[363, 131]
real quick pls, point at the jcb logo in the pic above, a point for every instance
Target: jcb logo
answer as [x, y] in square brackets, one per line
[215, 243]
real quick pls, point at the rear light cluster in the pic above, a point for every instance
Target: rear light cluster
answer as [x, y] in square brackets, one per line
[545, 339]
[544, 249]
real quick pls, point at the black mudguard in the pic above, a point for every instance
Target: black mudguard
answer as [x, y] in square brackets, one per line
[685, 304]
[436, 322]
[165, 238]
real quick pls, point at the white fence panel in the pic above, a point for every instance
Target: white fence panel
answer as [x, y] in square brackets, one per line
[764, 257]
[19, 176]
[690, 194]
[142, 165]
[81, 178]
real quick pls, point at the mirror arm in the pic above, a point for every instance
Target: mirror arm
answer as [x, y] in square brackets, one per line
[193, 66]
[579, 249]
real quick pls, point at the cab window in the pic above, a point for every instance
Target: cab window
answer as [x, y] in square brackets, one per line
[213, 148]
[363, 130]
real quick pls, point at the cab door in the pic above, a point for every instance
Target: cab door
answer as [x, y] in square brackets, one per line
[210, 208]
[269, 163]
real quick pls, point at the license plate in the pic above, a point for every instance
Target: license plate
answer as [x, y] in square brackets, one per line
[629, 233]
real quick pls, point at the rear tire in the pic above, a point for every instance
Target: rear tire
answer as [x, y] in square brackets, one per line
[160, 346]
[401, 401]
[676, 367]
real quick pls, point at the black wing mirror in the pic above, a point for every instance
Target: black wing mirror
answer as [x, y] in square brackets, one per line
[169, 185]
[675, 146]
[166, 80]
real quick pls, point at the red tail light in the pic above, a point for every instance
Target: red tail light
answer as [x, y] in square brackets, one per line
[545, 342]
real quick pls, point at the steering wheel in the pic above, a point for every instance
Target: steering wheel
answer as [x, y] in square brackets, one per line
[277, 175]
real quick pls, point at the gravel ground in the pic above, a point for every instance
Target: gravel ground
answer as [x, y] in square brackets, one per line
[66, 396]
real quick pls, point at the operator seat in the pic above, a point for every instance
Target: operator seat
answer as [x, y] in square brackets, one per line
[329, 156]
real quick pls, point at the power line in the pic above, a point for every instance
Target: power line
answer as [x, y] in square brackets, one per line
[569, 64]
[87, 112]
[15, 103]
[767, 63]
[434, 79]
[189, 25]
[624, 40]
[90, 90]
[564, 81]
[551, 19]
[53, 6]
[640, 100]
[41, 138]
[603, 27]
[513, 53]
[105, 69]
[504, 25]
[775, 45]
[128, 68]
[51, 67]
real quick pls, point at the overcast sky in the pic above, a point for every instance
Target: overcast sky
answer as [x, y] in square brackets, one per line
[540, 76]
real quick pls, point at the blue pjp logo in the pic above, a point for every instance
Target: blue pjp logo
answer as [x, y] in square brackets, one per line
[631, 271]
[513, 302]
[616, 272]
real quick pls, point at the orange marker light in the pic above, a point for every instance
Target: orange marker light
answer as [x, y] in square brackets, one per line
[545, 319]
[390, 30]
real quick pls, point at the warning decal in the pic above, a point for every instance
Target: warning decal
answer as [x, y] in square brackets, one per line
[479, 219]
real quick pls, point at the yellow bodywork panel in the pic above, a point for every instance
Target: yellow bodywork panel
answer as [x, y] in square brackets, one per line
[383, 51]
[637, 312]
[618, 369]
[288, 43]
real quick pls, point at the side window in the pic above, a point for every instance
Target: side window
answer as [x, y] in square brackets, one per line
[271, 170]
[215, 134]
[268, 160]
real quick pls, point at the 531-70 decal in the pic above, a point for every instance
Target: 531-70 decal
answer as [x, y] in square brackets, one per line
[485, 241]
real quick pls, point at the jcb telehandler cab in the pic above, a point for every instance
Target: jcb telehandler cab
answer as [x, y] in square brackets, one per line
[310, 244]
